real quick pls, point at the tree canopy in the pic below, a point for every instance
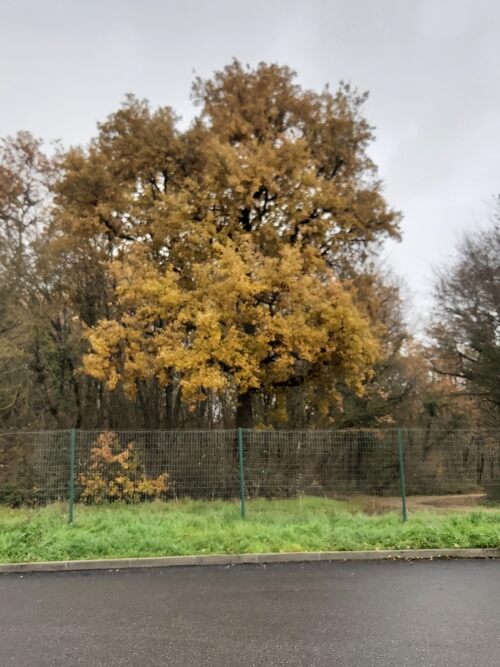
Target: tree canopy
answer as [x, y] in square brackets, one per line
[222, 272]
[229, 240]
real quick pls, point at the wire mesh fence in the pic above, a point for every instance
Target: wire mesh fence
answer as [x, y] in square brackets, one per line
[383, 466]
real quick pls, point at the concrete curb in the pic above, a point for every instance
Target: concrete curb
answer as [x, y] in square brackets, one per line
[236, 559]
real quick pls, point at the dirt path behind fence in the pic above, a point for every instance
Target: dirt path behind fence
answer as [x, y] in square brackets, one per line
[441, 504]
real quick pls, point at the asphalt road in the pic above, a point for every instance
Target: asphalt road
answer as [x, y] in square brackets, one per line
[337, 614]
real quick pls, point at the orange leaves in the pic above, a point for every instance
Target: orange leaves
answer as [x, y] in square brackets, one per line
[245, 320]
[117, 474]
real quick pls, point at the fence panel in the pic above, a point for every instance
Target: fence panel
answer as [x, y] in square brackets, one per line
[284, 464]
[34, 467]
[443, 462]
[194, 464]
[442, 468]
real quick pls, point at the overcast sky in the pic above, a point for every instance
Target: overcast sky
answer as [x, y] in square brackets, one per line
[432, 68]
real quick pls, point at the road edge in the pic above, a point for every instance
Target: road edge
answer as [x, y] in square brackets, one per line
[245, 559]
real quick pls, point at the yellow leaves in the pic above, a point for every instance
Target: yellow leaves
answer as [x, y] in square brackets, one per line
[200, 379]
[105, 341]
[245, 320]
[118, 474]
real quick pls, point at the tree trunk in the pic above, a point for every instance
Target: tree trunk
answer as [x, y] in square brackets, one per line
[244, 411]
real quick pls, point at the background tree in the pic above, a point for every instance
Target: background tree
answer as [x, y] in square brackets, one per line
[40, 340]
[26, 175]
[466, 319]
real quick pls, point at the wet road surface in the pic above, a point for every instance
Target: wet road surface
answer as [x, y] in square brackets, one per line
[338, 614]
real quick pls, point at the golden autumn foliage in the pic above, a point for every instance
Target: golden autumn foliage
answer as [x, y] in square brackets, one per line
[216, 254]
[246, 320]
[264, 157]
[225, 243]
[117, 474]
[203, 274]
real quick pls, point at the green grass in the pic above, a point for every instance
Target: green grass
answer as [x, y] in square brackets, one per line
[196, 527]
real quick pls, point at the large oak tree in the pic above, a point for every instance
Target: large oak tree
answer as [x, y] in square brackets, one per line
[227, 242]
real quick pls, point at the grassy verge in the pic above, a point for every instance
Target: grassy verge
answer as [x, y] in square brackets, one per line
[192, 527]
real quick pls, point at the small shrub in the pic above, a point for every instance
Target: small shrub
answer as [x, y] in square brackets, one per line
[117, 474]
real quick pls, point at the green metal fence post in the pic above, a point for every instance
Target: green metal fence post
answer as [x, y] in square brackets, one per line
[71, 481]
[242, 472]
[402, 481]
